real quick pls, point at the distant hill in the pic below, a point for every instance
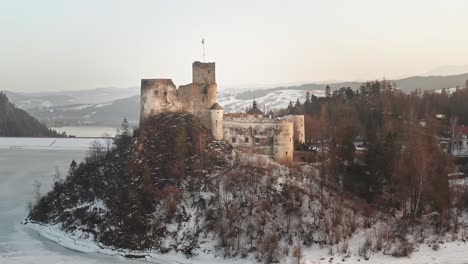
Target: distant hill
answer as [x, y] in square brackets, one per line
[405, 84]
[111, 105]
[447, 70]
[15, 122]
[431, 82]
[103, 113]
[63, 98]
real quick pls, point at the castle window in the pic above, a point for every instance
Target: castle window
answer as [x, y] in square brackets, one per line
[286, 153]
[257, 140]
[165, 93]
[290, 139]
[156, 93]
[216, 123]
[246, 140]
[233, 140]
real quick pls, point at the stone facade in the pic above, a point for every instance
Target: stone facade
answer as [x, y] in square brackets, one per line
[251, 132]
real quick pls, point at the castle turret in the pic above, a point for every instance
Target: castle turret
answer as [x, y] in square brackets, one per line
[283, 145]
[297, 116]
[216, 114]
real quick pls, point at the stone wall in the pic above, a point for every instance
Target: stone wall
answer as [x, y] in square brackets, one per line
[217, 123]
[203, 72]
[283, 150]
[260, 135]
[299, 127]
[157, 96]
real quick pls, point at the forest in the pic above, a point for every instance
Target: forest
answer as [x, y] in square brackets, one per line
[15, 122]
[386, 146]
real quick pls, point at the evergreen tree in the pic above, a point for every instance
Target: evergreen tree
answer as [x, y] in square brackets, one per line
[15, 122]
[327, 91]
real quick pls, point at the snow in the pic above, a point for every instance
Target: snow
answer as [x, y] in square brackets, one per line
[448, 91]
[102, 105]
[47, 143]
[274, 100]
[20, 167]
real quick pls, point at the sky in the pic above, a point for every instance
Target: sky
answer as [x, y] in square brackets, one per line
[52, 45]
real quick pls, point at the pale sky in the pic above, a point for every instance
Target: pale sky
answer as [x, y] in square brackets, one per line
[67, 45]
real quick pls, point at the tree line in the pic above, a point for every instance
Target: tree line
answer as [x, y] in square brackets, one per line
[15, 122]
[384, 145]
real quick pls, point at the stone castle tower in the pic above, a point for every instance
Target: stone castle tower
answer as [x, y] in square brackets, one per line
[198, 98]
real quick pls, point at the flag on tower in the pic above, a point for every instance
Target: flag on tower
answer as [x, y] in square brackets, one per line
[203, 41]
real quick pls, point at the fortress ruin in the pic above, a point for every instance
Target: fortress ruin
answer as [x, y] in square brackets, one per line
[252, 132]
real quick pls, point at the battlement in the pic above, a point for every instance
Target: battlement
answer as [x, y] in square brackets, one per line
[203, 72]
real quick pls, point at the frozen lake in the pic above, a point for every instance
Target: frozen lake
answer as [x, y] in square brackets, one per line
[19, 168]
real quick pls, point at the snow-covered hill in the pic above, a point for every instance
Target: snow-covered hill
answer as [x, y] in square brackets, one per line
[62, 98]
[111, 112]
[273, 100]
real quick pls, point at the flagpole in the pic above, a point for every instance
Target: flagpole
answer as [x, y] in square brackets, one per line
[203, 42]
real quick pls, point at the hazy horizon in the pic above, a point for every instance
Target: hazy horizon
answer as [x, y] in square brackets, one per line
[54, 45]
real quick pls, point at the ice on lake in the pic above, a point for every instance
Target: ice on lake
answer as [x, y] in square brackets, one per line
[19, 169]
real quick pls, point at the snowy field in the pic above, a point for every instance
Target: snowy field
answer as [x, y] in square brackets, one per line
[21, 166]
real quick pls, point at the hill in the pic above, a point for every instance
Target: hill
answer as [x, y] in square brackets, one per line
[172, 188]
[103, 113]
[427, 83]
[64, 98]
[15, 122]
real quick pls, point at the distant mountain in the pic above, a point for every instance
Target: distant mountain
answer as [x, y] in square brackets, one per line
[15, 122]
[110, 105]
[432, 82]
[63, 98]
[405, 84]
[447, 70]
[104, 113]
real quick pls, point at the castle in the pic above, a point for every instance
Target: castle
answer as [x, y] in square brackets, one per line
[251, 132]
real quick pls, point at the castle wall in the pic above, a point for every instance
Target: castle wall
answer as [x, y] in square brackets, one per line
[299, 127]
[260, 135]
[161, 95]
[199, 97]
[283, 150]
[157, 96]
